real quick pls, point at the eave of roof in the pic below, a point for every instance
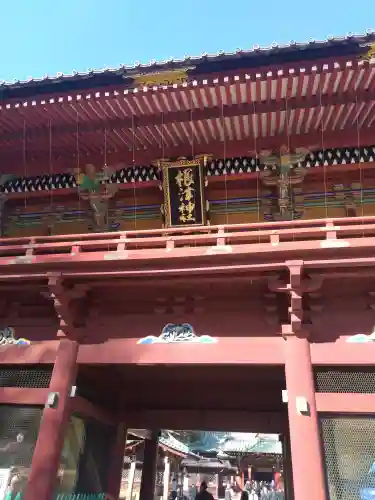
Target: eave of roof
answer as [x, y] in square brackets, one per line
[204, 64]
[171, 442]
[166, 440]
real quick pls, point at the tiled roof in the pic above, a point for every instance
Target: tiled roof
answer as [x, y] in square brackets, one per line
[170, 441]
[259, 444]
[204, 63]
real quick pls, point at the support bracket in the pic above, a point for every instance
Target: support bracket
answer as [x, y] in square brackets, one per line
[64, 302]
[296, 287]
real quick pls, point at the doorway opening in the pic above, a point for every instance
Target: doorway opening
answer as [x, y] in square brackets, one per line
[231, 465]
[221, 401]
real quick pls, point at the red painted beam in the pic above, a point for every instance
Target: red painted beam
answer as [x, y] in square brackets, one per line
[62, 194]
[345, 403]
[347, 137]
[87, 409]
[37, 353]
[233, 420]
[342, 353]
[219, 270]
[23, 396]
[228, 350]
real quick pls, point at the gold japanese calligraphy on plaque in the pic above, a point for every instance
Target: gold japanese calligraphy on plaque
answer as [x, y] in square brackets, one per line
[183, 186]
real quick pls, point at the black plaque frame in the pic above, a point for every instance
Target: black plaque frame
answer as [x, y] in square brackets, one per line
[171, 193]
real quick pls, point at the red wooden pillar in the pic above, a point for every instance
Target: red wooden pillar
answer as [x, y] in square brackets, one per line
[150, 457]
[116, 464]
[304, 430]
[46, 459]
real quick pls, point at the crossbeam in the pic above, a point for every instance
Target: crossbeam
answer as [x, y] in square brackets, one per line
[215, 420]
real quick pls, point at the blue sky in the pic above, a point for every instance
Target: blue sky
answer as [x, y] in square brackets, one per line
[39, 37]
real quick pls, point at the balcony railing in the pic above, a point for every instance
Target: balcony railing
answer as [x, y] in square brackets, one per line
[194, 241]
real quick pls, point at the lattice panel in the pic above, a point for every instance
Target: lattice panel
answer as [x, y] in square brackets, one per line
[209, 478]
[357, 380]
[135, 174]
[19, 427]
[40, 183]
[37, 378]
[159, 478]
[349, 449]
[220, 166]
[230, 166]
[339, 156]
[138, 475]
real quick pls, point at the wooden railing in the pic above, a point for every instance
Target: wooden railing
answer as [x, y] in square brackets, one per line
[201, 240]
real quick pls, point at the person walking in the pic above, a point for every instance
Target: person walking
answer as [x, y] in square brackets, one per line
[203, 494]
[253, 495]
[228, 492]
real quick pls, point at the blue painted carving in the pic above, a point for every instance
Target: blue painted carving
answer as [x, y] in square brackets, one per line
[178, 334]
[8, 337]
[362, 338]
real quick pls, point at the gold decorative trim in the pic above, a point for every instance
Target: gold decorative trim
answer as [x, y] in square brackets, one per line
[161, 78]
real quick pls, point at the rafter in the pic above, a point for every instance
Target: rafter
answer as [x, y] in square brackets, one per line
[205, 113]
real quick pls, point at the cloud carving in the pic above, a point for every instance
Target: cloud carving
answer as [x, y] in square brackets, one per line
[178, 334]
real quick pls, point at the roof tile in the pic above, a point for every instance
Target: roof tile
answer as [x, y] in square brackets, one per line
[256, 50]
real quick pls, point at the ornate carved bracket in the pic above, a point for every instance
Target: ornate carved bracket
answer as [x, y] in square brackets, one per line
[96, 187]
[65, 301]
[282, 175]
[295, 288]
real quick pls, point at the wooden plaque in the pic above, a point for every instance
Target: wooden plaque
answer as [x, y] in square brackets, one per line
[184, 201]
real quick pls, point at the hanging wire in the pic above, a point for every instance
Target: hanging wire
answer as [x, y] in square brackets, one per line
[256, 161]
[288, 145]
[192, 139]
[254, 118]
[161, 171]
[24, 155]
[105, 147]
[225, 161]
[133, 167]
[78, 158]
[51, 180]
[359, 156]
[323, 148]
[106, 190]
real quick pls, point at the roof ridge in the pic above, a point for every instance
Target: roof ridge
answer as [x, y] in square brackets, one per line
[170, 64]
